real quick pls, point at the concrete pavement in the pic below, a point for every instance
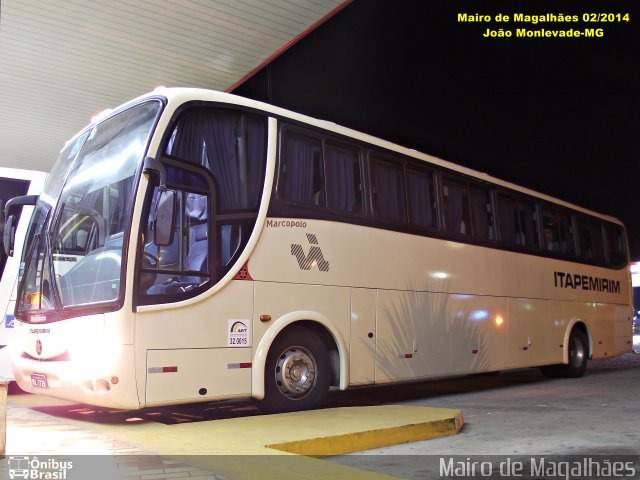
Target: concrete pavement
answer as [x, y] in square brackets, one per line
[520, 413]
[514, 413]
[162, 443]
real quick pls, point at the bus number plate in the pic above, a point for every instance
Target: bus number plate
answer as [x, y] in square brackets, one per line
[39, 380]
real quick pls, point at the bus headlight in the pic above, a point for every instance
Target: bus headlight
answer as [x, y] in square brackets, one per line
[94, 355]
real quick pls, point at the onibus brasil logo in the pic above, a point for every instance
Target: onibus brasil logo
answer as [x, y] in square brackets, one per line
[38, 469]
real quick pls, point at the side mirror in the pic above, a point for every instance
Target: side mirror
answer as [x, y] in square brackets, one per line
[19, 201]
[9, 235]
[165, 218]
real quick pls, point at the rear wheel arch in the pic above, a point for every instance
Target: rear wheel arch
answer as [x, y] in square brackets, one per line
[577, 348]
[581, 326]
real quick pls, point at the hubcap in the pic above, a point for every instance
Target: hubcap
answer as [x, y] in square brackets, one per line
[296, 372]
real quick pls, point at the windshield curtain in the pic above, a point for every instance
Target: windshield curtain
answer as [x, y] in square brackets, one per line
[231, 146]
[79, 259]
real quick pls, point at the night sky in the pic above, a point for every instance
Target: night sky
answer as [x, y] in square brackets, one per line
[558, 115]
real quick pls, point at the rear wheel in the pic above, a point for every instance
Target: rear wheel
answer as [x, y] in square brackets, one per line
[578, 356]
[297, 372]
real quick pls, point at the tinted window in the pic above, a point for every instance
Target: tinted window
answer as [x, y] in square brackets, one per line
[481, 213]
[455, 202]
[302, 172]
[343, 181]
[518, 222]
[319, 174]
[616, 245]
[183, 266]
[567, 234]
[590, 240]
[509, 224]
[550, 230]
[528, 224]
[388, 191]
[557, 232]
[231, 145]
[422, 198]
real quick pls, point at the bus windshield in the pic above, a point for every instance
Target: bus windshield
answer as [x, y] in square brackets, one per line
[75, 245]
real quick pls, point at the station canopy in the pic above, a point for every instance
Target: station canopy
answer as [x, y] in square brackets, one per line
[64, 61]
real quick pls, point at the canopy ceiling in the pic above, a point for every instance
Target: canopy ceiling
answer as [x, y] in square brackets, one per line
[63, 61]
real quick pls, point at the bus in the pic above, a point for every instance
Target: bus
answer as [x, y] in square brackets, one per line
[13, 182]
[194, 245]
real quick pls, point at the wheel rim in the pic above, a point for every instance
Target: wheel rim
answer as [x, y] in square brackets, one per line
[296, 372]
[577, 352]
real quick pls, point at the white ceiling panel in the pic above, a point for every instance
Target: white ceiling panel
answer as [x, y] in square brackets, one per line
[63, 61]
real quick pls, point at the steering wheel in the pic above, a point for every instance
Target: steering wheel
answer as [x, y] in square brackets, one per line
[149, 260]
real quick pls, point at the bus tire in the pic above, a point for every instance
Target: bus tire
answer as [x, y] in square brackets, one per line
[578, 356]
[297, 372]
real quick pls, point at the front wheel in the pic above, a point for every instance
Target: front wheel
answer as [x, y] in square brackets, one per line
[297, 372]
[578, 356]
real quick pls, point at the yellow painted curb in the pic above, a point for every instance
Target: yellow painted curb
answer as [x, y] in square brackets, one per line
[275, 447]
[374, 427]
[358, 441]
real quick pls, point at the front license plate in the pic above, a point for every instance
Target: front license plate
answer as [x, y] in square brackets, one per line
[39, 380]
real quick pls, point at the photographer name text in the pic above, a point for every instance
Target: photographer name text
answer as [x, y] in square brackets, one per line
[537, 467]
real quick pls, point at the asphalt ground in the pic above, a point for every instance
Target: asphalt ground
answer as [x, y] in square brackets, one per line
[519, 414]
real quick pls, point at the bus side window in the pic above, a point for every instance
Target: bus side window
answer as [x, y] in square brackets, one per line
[598, 241]
[528, 224]
[509, 230]
[590, 240]
[389, 202]
[456, 207]
[567, 234]
[183, 265]
[518, 222]
[344, 181]
[422, 198]
[482, 213]
[584, 237]
[616, 246]
[302, 172]
[551, 230]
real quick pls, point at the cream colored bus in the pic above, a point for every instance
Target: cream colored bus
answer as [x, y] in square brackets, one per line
[194, 245]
